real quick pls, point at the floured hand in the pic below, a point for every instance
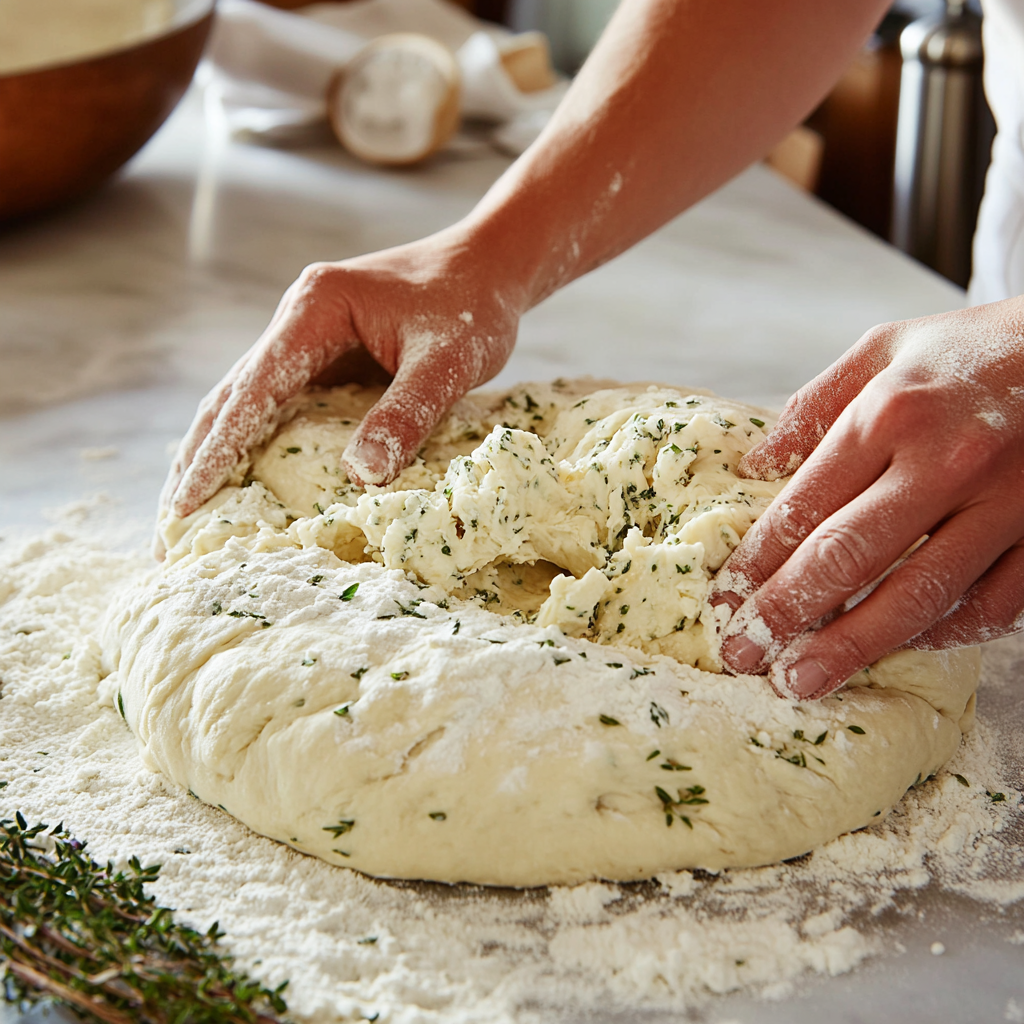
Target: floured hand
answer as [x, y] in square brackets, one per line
[425, 313]
[918, 431]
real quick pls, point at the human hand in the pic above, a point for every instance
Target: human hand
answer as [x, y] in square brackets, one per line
[426, 312]
[918, 430]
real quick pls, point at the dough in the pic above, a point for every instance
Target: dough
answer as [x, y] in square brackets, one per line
[502, 668]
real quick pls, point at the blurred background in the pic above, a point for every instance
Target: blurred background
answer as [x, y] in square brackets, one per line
[846, 152]
[900, 145]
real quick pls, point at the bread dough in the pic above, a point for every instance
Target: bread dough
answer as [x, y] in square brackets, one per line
[502, 668]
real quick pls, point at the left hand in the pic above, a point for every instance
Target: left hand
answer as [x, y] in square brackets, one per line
[918, 431]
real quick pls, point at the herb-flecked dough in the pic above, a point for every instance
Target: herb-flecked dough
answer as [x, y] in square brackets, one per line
[503, 667]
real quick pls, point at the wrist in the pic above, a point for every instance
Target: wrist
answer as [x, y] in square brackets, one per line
[517, 248]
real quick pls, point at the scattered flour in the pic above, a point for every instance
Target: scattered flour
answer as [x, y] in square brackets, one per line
[417, 953]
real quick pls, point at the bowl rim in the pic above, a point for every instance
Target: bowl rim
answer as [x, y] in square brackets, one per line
[186, 14]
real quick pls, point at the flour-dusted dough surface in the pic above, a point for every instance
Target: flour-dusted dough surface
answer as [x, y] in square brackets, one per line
[455, 716]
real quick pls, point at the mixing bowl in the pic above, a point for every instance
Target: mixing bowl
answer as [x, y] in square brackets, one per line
[66, 126]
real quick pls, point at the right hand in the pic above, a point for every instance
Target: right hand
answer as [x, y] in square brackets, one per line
[426, 312]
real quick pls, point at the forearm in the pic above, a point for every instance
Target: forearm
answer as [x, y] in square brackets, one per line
[677, 97]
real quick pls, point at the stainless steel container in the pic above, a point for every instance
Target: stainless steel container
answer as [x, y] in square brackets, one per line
[943, 140]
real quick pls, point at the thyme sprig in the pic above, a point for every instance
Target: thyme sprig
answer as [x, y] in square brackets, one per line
[89, 937]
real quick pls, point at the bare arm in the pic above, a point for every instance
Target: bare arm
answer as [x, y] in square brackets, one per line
[678, 96]
[676, 99]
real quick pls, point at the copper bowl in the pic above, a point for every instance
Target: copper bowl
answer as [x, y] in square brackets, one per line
[65, 129]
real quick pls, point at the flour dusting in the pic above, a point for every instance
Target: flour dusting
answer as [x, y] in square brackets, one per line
[411, 952]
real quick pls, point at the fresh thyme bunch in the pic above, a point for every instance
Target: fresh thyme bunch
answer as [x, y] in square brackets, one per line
[89, 937]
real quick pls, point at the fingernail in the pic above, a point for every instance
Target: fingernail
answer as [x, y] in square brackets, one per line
[367, 462]
[806, 678]
[726, 597]
[741, 654]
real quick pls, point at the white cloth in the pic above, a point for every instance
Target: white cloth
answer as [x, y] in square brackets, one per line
[999, 239]
[271, 68]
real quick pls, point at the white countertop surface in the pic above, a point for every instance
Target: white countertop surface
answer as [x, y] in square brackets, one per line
[117, 315]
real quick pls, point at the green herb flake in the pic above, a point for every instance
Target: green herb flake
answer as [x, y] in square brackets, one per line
[368, 941]
[457, 626]
[757, 422]
[652, 755]
[959, 778]
[856, 729]
[120, 705]
[343, 826]
[314, 580]
[246, 615]
[821, 739]
[293, 451]
[342, 712]
[996, 798]
[438, 816]
[399, 676]
[608, 720]
[360, 672]
[659, 715]
[349, 592]
[308, 661]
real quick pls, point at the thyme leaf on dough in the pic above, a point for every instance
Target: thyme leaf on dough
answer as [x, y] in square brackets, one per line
[343, 826]
[658, 715]
[349, 592]
[608, 720]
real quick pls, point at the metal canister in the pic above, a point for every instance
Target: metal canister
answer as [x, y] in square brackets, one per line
[943, 140]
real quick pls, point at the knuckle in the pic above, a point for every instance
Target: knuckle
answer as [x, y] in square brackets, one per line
[791, 525]
[844, 556]
[880, 334]
[316, 276]
[921, 598]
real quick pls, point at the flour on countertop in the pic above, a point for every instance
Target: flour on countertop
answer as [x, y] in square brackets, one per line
[415, 953]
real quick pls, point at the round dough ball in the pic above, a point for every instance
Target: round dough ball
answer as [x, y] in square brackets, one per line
[383, 710]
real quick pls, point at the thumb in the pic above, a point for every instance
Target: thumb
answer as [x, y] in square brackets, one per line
[433, 375]
[810, 413]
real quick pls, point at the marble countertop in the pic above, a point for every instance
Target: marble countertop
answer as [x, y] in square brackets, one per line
[117, 315]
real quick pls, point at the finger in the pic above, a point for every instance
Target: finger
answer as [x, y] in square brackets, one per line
[847, 463]
[297, 350]
[992, 608]
[434, 373]
[909, 601]
[812, 411]
[206, 415]
[843, 555]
